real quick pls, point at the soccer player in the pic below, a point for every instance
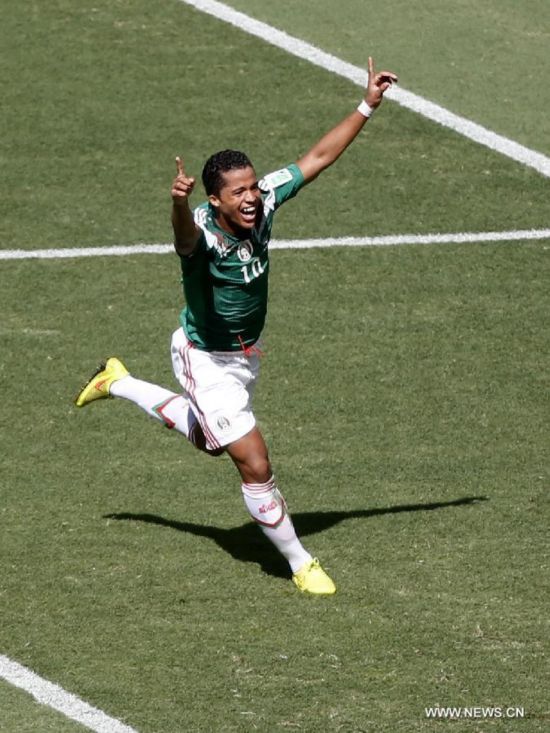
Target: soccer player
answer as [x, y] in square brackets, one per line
[224, 255]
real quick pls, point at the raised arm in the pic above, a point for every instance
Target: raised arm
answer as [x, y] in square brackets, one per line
[186, 232]
[331, 146]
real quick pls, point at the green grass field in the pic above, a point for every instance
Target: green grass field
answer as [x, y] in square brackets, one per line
[404, 391]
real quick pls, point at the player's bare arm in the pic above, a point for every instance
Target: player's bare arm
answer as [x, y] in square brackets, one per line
[331, 146]
[186, 232]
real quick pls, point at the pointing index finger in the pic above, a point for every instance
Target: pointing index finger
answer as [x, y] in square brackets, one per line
[371, 68]
[179, 166]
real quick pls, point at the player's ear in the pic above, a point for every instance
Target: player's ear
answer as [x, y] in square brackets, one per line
[214, 200]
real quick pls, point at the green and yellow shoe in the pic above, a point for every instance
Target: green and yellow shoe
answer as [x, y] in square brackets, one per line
[311, 578]
[99, 384]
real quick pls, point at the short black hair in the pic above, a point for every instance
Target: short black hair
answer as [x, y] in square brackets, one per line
[219, 163]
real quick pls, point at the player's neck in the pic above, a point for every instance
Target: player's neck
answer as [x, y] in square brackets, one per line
[230, 227]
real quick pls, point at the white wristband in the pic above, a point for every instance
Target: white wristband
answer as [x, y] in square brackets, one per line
[365, 109]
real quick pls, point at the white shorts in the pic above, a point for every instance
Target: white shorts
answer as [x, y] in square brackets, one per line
[219, 386]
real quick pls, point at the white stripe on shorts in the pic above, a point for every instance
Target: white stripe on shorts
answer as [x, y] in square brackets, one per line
[191, 389]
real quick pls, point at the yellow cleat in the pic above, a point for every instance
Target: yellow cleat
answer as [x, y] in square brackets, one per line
[311, 578]
[99, 384]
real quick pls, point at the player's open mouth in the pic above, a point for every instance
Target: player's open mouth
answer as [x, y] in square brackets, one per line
[248, 213]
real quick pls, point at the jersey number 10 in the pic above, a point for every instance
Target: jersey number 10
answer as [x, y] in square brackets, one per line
[252, 270]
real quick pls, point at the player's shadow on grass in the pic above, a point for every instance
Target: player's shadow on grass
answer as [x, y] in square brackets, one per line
[246, 543]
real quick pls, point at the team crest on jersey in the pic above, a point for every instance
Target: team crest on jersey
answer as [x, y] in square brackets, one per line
[244, 251]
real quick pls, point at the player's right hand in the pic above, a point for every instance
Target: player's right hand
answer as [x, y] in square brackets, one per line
[182, 186]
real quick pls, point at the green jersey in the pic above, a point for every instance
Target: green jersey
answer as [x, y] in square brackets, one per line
[225, 279]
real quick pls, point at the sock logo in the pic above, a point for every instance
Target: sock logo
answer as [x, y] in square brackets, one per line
[268, 507]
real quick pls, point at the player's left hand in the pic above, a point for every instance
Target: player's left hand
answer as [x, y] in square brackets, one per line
[379, 82]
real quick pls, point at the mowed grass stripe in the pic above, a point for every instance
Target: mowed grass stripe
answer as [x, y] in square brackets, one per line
[358, 75]
[521, 235]
[55, 697]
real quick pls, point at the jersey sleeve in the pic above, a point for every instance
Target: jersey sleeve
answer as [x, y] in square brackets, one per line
[282, 185]
[204, 245]
[208, 241]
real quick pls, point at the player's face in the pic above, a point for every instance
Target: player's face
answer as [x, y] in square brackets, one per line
[238, 202]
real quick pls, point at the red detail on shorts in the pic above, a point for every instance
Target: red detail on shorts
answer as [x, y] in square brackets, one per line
[249, 350]
[191, 387]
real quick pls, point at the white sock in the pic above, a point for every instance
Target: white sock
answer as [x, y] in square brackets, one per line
[170, 408]
[267, 507]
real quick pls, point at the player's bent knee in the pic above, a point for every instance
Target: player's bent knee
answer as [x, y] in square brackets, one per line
[250, 456]
[258, 470]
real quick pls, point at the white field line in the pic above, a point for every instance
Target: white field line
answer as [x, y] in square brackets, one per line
[57, 698]
[520, 235]
[358, 75]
